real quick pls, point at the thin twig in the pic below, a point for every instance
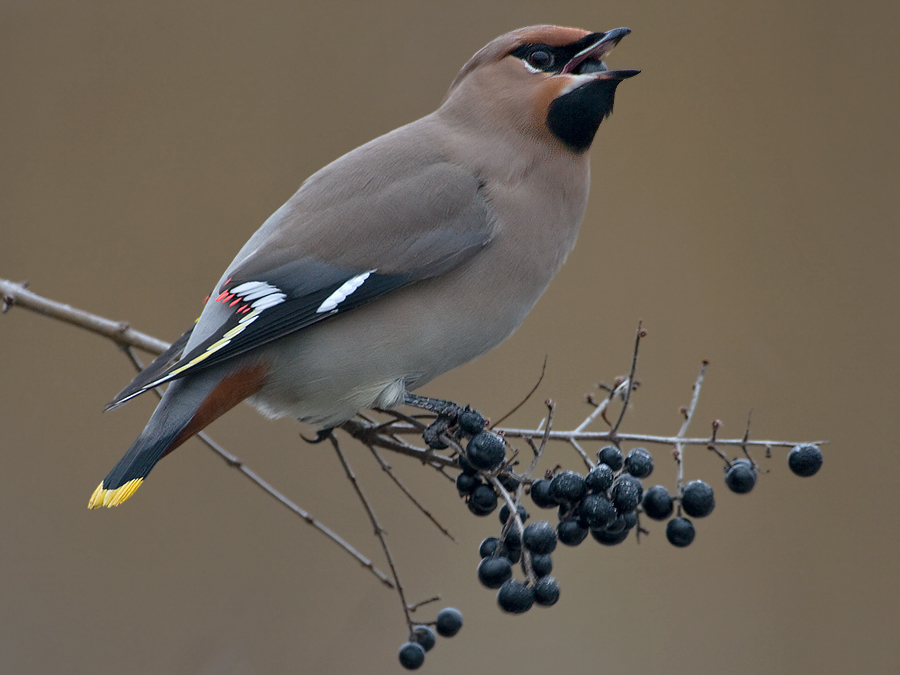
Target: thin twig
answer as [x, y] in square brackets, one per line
[527, 396]
[363, 432]
[601, 407]
[688, 416]
[14, 294]
[390, 472]
[604, 436]
[517, 521]
[584, 456]
[378, 530]
[637, 343]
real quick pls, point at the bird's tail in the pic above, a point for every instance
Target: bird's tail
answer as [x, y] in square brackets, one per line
[186, 408]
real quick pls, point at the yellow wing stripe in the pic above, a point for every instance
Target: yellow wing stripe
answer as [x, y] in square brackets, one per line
[105, 497]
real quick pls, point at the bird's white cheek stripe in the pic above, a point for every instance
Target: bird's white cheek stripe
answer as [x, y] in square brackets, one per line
[346, 289]
[574, 81]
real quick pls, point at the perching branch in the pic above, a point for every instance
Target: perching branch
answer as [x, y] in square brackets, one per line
[403, 434]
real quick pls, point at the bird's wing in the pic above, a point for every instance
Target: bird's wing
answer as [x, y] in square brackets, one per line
[342, 241]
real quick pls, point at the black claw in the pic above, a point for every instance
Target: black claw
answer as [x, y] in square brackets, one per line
[321, 435]
[432, 434]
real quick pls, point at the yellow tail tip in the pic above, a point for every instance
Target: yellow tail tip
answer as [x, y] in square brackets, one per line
[105, 497]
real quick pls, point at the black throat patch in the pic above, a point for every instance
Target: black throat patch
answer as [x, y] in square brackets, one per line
[575, 117]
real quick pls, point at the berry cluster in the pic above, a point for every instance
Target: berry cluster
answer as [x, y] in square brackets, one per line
[422, 638]
[606, 504]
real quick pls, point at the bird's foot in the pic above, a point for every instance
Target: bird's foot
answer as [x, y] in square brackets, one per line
[452, 419]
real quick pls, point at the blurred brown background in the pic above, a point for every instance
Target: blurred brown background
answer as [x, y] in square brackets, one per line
[744, 205]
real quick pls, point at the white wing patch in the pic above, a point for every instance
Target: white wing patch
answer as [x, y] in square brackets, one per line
[252, 298]
[346, 289]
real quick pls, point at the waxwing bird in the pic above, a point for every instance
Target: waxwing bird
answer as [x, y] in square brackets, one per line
[399, 261]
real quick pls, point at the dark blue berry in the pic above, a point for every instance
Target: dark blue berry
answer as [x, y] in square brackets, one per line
[608, 538]
[511, 540]
[470, 421]
[515, 597]
[657, 503]
[492, 572]
[509, 482]
[546, 591]
[599, 479]
[697, 499]
[611, 456]
[567, 487]
[449, 621]
[504, 513]
[617, 525]
[466, 484]
[412, 655]
[486, 451]
[639, 463]
[571, 532]
[540, 537]
[488, 546]
[596, 511]
[424, 636]
[541, 564]
[466, 466]
[540, 494]
[626, 493]
[680, 532]
[805, 460]
[740, 476]
[514, 555]
[483, 500]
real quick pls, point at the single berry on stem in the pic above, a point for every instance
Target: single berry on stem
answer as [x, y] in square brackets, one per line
[740, 476]
[657, 503]
[515, 597]
[639, 463]
[449, 621]
[412, 655]
[486, 451]
[540, 537]
[611, 456]
[697, 499]
[567, 487]
[493, 571]
[540, 494]
[805, 460]
[680, 532]
[599, 479]
[546, 591]
[424, 636]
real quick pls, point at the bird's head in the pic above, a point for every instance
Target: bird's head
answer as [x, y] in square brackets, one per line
[546, 81]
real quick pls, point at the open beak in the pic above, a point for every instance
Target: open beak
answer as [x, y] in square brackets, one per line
[589, 61]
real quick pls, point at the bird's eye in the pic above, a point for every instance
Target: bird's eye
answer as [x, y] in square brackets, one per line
[540, 59]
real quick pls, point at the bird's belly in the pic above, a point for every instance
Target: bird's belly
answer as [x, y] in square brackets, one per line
[370, 357]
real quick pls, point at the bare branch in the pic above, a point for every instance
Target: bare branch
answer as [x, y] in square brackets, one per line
[688, 416]
[637, 343]
[428, 514]
[17, 295]
[378, 529]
